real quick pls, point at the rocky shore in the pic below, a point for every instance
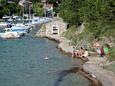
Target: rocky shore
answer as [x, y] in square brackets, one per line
[104, 76]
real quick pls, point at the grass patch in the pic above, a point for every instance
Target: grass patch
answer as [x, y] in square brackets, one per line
[69, 34]
[78, 39]
[112, 54]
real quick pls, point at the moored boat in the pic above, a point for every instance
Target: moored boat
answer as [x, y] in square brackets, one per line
[10, 35]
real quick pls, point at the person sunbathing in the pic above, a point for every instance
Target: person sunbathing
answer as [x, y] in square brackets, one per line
[78, 53]
[86, 53]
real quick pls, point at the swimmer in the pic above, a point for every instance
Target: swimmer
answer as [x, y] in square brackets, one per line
[46, 57]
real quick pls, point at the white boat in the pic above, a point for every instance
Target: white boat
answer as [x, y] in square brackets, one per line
[22, 25]
[10, 19]
[10, 35]
[17, 17]
[26, 27]
[30, 25]
[22, 30]
[45, 19]
[6, 17]
[3, 24]
[38, 20]
[14, 32]
[35, 20]
[16, 29]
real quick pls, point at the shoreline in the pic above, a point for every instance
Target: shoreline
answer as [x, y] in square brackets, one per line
[95, 72]
[62, 45]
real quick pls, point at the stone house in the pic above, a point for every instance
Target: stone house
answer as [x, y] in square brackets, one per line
[56, 27]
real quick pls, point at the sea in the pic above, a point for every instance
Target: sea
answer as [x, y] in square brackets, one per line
[32, 61]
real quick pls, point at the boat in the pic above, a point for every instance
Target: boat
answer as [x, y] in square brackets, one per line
[17, 18]
[15, 31]
[26, 27]
[6, 17]
[10, 19]
[35, 20]
[10, 35]
[3, 24]
[20, 30]
[19, 27]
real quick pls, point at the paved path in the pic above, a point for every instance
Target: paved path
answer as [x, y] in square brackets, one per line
[106, 77]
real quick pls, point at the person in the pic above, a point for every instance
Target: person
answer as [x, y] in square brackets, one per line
[102, 51]
[97, 48]
[78, 53]
[106, 51]
[98, 51]
[73, 53]
[86, 53]
[96, 44]
[105, 57]
[81, 51]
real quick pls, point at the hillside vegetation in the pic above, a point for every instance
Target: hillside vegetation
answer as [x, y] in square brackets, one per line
[98, 17]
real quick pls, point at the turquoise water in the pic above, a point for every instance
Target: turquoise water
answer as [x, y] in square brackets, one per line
[22, 63]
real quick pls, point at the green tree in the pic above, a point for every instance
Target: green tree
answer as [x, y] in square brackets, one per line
[38, 9]
[9, 8]
[98, 15]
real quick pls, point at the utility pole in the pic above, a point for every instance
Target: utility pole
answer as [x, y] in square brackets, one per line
[44, 6]
[30, 5]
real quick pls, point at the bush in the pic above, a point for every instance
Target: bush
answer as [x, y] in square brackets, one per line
[70, 33]
[38, 9]
[112, 54]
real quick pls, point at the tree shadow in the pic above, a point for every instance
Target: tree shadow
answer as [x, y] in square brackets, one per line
[64, 73]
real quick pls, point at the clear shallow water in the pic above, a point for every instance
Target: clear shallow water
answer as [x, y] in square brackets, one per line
[22, 63]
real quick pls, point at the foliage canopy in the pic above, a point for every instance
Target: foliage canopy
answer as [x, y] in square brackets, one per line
[98, 15]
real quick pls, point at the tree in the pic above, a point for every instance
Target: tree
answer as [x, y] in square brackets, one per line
[38, 9]
[98, 15]
[8, 8]
[69, 11]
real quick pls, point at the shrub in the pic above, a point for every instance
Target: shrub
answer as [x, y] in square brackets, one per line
[112, 54]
